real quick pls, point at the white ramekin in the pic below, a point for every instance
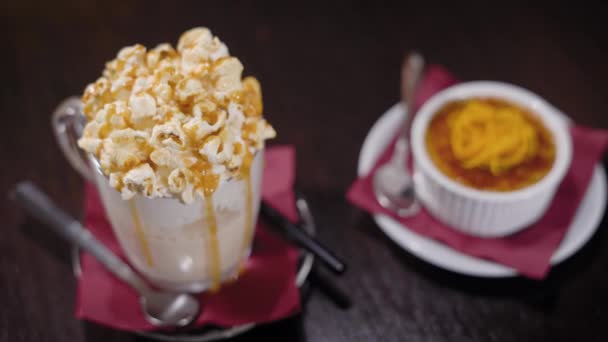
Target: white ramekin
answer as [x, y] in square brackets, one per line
[487, 213]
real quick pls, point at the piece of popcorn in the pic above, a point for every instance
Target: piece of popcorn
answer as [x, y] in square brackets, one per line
[123, 149]
[177, 180]
[118, 122]
[140, 179]
[163, 92]
[164, 112]
[90, 145]
[111, 69]
[142, 106]
[202, 107]
[101, 117]
[94, 95]
[219, 169]
[195, 47]
[129, 135]
[116, 179]
[172, 159]
[132, 55]
[159, 53]
[188, 88]
[116, 114]
[89, 101]
[219, 149]
[180, 117]
[167, 72]
[188, 194]
[121, 85]
[263, 131]
[211, 150]
[198, 36]
[200, 128]
[198, 44]
[142, 84]
[118, 108]
[219, 50]
[235, 116]
[122, 94]
[227, 74]
[164, 157]
[238, 153]
[161, 187]
[266, 131]
[98, 127]
[252, 97]
[164, 80]
[91, 130]
[169, 134]
[194, 61]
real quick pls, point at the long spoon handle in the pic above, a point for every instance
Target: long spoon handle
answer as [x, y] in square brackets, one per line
[411, 73]
[40, 206]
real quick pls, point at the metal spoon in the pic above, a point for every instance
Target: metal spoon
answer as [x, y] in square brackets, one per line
[393, 184]
[160, 308]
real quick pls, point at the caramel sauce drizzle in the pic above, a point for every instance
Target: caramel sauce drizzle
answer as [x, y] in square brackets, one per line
[249, 225]
[140, 233]
[213, 252]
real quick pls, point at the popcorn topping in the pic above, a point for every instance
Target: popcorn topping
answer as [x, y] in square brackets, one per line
[167, 123]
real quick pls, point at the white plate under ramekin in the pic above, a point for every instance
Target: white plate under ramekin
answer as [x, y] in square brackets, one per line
[487, 213]
[581, 229]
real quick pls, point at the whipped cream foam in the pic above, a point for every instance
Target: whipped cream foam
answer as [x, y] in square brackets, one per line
[174, 123]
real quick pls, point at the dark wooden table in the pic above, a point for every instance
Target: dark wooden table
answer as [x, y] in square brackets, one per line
[328, 71]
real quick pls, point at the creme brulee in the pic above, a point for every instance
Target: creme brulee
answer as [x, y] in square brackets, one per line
[490, 144]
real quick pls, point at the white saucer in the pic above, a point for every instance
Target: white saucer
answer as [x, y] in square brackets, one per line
[583, 226]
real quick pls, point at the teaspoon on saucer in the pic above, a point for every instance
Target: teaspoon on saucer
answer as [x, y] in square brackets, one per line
[160, 308]
[392, 182]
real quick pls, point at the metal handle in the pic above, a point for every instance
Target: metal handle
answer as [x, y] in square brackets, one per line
[37, 204]
[68, 122]
[411, 73]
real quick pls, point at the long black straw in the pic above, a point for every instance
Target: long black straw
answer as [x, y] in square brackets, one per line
[300, 237]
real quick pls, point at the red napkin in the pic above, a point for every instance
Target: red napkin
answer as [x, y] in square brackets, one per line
[265, 292]
[528, 251]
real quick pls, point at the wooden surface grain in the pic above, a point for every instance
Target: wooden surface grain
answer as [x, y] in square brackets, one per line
[328, 70]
